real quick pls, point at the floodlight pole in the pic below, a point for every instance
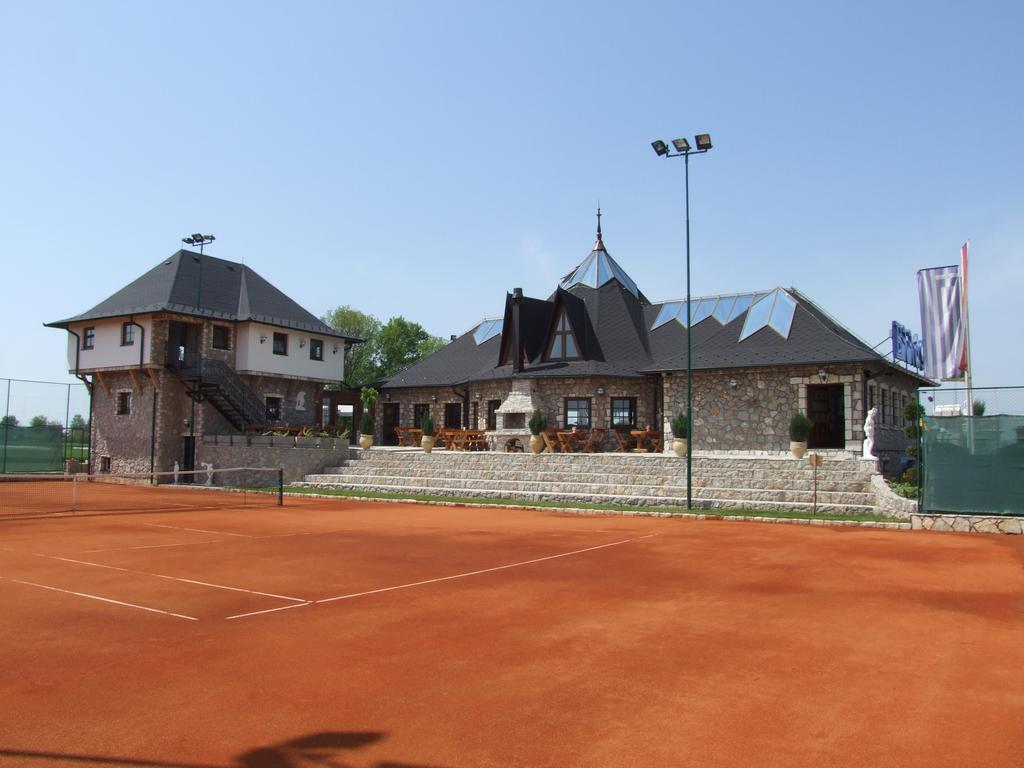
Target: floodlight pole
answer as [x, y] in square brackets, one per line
[685, 154]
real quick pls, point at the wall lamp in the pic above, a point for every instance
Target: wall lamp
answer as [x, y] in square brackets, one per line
[433, 398]
[823, 375]
[263, 338]
[733, 383]
[477, 395]
[302, 343]
[335, 350]
[600, 390]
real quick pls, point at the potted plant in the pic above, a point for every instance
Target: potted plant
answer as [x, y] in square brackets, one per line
[369, 397]
[537, 424]
[427, 425]
[680, 434]
[799, 429]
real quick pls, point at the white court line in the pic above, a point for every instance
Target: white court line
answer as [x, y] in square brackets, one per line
[103, 599]
[485, 570]
[268, 610]
[151, 546]
[199, 530]
[173, 578]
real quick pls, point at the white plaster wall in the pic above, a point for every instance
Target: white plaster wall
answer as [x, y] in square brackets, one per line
[107, 351]
[252, 356]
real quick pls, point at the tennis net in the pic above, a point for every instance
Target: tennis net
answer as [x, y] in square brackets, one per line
[42, 494]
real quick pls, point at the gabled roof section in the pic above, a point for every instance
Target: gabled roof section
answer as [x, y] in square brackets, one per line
[190, 283]
[599, 268]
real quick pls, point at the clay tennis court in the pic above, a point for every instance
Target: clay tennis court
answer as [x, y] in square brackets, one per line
[360, 634]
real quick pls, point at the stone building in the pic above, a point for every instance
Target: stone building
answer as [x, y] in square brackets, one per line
[598, 353]
[196, 346]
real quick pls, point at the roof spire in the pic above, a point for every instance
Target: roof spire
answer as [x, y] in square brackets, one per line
[599, 245]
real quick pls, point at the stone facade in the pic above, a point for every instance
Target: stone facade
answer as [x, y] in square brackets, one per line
[152, 435]
[968, 523]
[551, 394]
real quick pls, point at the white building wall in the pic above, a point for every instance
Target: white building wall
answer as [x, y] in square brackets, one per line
[254, 353]
[107, 350]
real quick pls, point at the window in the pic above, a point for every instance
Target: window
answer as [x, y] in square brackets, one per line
[418, 411]
[903, 409]
[883, 412]
[273, 408]
[563, 342]
[124, 403]
[280, 343]
[127, 334]
[221, 337]
[577, 412]
[316, 349]
[89, 338]
[624, 412]
[492, 413]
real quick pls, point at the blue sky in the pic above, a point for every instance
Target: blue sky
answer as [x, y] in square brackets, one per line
[424, 158]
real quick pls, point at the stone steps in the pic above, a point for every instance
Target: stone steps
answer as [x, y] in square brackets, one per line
[628, 499]
[515, 487]
[757, 481]
[781, 479]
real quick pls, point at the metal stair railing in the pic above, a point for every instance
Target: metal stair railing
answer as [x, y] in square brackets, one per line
[234, 390]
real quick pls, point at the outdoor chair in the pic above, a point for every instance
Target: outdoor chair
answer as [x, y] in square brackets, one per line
[623, 442]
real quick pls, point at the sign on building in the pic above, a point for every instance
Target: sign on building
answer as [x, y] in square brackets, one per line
[907, 347]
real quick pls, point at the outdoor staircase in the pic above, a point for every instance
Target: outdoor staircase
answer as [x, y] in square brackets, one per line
[215, 382]
[775, 482]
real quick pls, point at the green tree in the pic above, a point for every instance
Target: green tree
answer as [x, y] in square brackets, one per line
[387, 349]
[9, 421]
[361, 359]
[39, 421]
[402, 343]
[77, 422]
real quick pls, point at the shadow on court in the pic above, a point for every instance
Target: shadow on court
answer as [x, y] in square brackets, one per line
[317, 749]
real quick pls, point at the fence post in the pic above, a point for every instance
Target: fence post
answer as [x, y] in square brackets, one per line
[919, 415]
[280, 486]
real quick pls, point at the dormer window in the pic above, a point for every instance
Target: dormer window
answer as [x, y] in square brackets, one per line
[563, 344]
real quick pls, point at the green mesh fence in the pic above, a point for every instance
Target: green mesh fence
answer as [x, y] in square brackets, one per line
[31, 449]
[973, 464]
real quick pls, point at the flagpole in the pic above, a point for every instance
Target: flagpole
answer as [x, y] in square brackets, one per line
[967, 327]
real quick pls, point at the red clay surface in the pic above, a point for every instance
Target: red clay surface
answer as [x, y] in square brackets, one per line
[486, 637]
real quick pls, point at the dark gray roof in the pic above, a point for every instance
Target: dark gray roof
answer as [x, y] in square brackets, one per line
[615, 326]
[195, 284]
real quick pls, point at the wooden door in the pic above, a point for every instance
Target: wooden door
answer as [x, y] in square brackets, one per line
[390, 417]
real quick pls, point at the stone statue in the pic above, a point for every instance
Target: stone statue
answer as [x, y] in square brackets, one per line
[208, 466]
[869, 434]
[176, 470]
[300, 401]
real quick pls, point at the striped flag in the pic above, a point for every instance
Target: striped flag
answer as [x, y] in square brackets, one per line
[941, 322]
[964, 357]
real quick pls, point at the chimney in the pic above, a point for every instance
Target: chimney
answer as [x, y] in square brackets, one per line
[517, 351]
[453, 337]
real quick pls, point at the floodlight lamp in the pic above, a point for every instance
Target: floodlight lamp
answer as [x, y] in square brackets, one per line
[660, 147]
[681, 145]
[703, 141]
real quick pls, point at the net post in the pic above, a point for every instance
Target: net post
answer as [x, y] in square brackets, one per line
[280, 486]
[74, 493]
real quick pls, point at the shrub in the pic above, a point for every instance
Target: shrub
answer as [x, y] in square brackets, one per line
[537, 422]
[427, 425]
[681, 427]
[912, 414]
[910, 476]
[366, 424]
[978, 408]
[799, 427]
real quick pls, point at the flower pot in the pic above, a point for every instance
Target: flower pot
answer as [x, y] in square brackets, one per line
[365, 441]
[798, 449]
[427, 443]
[536, 443]
[679, 447]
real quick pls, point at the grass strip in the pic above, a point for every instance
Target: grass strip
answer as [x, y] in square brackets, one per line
[707, 511]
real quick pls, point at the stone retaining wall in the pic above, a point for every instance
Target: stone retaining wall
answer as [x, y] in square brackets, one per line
[967, 523]
[297, 456]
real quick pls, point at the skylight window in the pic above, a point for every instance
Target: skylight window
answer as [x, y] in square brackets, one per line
[488, 329]
[775, 310]
[596, 270]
